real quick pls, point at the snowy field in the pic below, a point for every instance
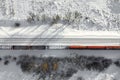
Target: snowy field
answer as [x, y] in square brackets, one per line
[59, 18]
[12, 69]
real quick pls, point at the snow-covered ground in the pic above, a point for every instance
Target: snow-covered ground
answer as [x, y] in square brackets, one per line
[14, 72]
[59, 18]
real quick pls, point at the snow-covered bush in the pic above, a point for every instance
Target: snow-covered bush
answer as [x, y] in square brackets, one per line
[2, 7]
[33, 18]
[67, 18]
[70, 72]
[117, 63]
[55, 19]
[17, 24]
[80, 78]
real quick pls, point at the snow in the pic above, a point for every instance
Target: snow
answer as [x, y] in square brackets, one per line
[13, 72]
[101, 17]
[62, 53]
[110, 74]
[16, 74]
[78, 19]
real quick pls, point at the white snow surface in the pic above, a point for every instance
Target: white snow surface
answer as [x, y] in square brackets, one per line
[59, 19]
[112, 73]
[94, 16]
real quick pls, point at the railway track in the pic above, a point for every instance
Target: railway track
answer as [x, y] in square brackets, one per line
[59, 43]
